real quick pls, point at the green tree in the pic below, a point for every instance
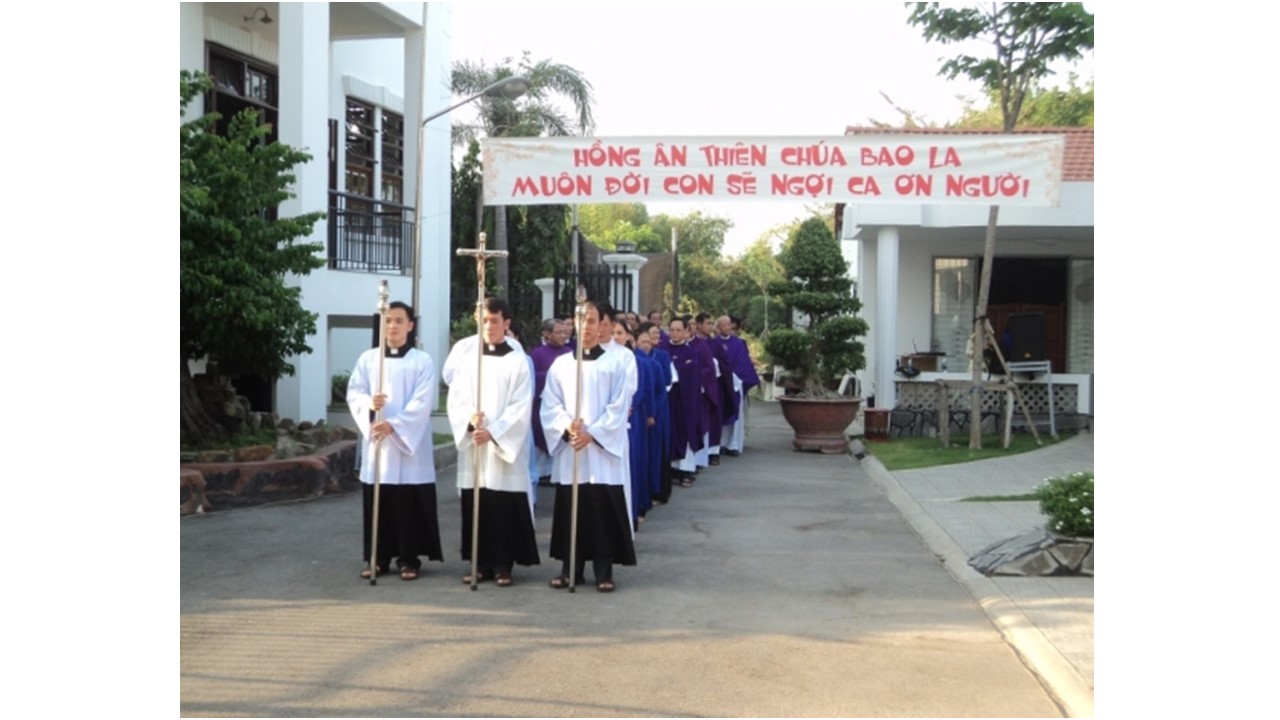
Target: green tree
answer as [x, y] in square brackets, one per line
[817, 284]
[595, 220]
[699, 239]
[466, 226]
[235, 306]
[763, 270]
[1026, 39]
[1044, 107]
[534, 114]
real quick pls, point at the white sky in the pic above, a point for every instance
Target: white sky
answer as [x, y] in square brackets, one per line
[730, 69]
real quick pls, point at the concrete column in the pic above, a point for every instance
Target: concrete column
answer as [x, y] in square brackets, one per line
[192, 50]
[435, 213]
[632, 264]
[304, 67]
[886, 317]
[548, 288]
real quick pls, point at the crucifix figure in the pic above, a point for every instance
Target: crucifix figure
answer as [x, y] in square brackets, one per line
[482, 255]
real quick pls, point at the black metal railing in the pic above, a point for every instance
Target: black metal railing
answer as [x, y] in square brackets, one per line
[367, 235]
[603, 283]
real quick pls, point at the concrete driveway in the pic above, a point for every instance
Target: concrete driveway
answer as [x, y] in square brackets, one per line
[781, 584]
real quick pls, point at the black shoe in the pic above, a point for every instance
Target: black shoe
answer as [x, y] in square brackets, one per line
[732, 453]
[714, 460]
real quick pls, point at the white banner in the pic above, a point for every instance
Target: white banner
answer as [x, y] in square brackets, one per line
[1020, 169]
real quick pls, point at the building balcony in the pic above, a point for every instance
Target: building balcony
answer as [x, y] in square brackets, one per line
[371, 236]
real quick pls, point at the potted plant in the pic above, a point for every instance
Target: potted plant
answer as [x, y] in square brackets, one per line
[817, 356]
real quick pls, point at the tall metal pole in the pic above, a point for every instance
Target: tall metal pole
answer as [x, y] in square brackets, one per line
[384, 293]
[580, 322]
[576, 248]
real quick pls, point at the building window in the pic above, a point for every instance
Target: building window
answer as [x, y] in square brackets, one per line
[370, 229]
[954, 280]
[242, 83]
[360, 153]
[1080, 317]
[392, 158]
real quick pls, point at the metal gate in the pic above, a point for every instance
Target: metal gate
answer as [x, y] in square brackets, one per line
[602, 282]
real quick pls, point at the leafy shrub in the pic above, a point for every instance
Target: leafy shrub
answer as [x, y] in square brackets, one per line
[464, 326]
[338, 387]
[1068, 502]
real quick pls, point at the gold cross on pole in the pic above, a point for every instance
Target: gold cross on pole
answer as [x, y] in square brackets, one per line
[481, 254]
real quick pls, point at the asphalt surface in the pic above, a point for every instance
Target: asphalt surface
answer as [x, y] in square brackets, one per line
[782, 584]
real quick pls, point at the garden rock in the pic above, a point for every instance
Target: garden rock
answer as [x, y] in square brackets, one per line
[1036, 553]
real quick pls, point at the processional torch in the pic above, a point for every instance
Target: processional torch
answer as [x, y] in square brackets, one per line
[481, 255]
[384, 293]
[579, 323]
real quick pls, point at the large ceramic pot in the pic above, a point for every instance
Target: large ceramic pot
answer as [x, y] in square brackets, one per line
[819, 424]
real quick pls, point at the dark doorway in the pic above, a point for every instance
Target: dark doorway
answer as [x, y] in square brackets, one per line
[1031, 286]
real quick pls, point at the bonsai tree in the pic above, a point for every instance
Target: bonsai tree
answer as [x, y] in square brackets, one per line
[819, 287]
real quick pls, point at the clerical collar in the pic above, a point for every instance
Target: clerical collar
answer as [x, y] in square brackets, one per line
[394, 352]
[498, 350]
[594, 353]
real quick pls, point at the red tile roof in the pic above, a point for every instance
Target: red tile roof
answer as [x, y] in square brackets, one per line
[1077, 161]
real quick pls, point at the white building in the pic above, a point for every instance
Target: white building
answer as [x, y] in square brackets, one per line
[919, 267]
[349, 84]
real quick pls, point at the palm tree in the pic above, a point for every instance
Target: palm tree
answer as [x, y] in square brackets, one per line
[532, 115]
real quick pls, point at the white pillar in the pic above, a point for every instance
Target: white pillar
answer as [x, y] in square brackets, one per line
[548, 288]
[632, 264]
[433, 331]
[303, 124]
[886, 318]
[191, 48]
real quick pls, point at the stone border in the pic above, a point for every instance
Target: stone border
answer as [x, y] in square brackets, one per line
[208, 487]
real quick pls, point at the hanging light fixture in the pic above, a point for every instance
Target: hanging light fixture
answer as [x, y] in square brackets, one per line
[266, 18]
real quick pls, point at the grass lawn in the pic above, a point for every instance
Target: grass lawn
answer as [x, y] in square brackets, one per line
[921, 452]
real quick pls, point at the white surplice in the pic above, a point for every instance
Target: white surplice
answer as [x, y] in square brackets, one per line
[409, 382]
[506, 399]
[606, 400]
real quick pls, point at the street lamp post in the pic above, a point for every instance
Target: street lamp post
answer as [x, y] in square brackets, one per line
[509, 88]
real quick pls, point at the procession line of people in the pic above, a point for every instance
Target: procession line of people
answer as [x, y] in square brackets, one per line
[642, 411]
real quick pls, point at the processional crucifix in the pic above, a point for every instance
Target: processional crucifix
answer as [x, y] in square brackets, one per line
[482, 255]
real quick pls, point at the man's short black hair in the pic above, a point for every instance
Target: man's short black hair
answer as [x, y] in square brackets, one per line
[497, 305]
[607, 311]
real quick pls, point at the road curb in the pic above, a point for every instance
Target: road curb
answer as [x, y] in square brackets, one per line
[1064, 683]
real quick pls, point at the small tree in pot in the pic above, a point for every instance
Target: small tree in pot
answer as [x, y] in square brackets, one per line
[819, 287]
[818, 356]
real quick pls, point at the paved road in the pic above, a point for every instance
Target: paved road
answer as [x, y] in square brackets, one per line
[781, 584]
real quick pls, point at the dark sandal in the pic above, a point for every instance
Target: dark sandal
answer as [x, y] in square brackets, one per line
[560, 583]
[480, 577]
[408, 573]
[605, 586]
[364, 574]
[686, 483]
[503, 580]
